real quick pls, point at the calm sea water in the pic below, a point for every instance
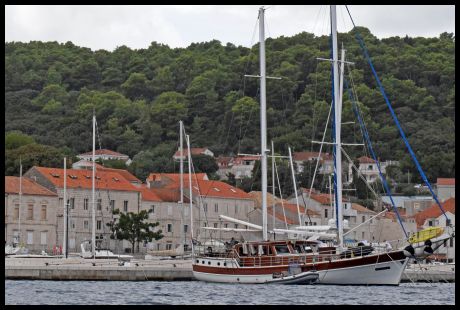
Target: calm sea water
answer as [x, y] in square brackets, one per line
[194, 292]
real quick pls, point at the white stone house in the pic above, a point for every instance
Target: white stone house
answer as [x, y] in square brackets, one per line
[37, 207]
[445, 188]
[105, 154]
[112, 191]
[193, 151]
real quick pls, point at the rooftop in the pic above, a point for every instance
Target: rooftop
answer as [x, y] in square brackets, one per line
[28, 187]
[103, 152]
[445, 181]
[434, 211]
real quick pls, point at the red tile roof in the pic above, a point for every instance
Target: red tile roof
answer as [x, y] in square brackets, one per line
[212, 188]
[28, 187]
[175, 177]
[292, 207]
[149, 195]
[445, 181]
[83, 179]
[361, 208]
[305, 156]
[434, 211]
[366, 160]
[324, 199]
[124, 173]
[104, 152]
[193, 151]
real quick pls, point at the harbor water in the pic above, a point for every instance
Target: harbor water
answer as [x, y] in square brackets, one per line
[195, 292]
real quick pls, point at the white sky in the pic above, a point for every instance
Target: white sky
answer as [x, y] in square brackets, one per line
[106, 27]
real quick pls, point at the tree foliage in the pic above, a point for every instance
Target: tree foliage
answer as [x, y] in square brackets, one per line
[51, 90]
[134, 228]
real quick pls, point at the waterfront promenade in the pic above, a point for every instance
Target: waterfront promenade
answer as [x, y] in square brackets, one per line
[157, 270]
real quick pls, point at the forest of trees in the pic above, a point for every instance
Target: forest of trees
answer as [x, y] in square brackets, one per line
[140, 95]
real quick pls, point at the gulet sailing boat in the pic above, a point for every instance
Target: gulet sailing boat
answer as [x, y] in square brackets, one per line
[304, 261]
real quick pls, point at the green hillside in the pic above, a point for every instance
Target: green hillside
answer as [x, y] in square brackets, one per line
[140, 95]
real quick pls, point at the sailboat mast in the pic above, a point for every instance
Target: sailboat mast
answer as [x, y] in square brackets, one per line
[181, 154]
[273, 187]
[64, 242]
[93, 235]
[20, 200]
[338, 120]
[190, 189]
[263, 122]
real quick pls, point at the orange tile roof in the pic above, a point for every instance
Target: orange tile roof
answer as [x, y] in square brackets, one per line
[366, 160]
[104, 152]
[445, 181]
[434, 211]
[28, 187]
[193, 151]
[324, 199]
[124, 173]
[149, 194]
[175, 177]
[305, 156]
[83, 179]
[292, 207]
[280, 216]
[361, 208]
[212, 188]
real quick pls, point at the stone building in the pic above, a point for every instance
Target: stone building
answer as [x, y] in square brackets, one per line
[210, 199]
[112, 191]
[445, 188]
[38, 215]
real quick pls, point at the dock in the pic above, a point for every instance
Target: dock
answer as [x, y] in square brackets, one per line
[74, 269]
[78, 269]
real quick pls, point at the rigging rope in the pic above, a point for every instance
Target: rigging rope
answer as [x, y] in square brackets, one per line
[371, 150]
[387, 101]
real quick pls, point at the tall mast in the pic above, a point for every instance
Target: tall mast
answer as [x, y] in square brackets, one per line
[273, 189]
[295, 186]
[263, 122]
[64, 243]
[93, 236]
[190, 189]
[20, 200]
[337, 120]
[181, 202]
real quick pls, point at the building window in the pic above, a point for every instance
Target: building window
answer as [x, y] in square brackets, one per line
[169, 227]
[86, 225]
[43, 213]
[362, 234]
[30, 237]
[369, 167]
[236, 225]
[30, 212]
[205, 207]
[112, 205]
[16, 212]
[205, 224]
[85, 204]
[216, 208]
[99, 204]
[215, 225]
[430, 223]
[364, 218]
[236, 209]
[168, 246]
[72, 223]
[99, 225]
[125, 206]
[185, 228]
[152, 208]
[43, 237]
[226, 225]
[451, 242]
[325, 213]
[72, 203]
[15, 236]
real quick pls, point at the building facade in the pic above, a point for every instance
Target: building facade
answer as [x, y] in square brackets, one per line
[31, 218]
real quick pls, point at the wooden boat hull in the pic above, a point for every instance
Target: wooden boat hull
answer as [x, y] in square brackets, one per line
[374, 269]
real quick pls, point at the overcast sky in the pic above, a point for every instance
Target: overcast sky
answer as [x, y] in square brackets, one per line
[106, 27]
